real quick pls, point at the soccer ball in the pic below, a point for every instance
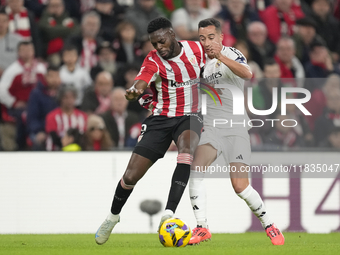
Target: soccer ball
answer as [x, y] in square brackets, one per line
[174, 233]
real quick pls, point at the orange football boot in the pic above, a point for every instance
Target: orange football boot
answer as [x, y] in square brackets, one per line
[275, 235]
[199, 235]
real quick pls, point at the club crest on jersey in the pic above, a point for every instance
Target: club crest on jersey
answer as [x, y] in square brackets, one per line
[218, 63]
[193, 60]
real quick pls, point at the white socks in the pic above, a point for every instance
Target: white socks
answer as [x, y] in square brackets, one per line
[256, 205]
[113, 217]
[197, 193]
[168, 212]
[198, 199]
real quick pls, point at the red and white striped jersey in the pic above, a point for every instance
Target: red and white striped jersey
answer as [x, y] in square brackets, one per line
[59, 122]
[175, 81]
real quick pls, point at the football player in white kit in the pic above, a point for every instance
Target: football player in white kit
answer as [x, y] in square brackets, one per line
[227, 66]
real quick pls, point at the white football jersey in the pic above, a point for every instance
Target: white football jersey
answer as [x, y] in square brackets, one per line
[215, 72]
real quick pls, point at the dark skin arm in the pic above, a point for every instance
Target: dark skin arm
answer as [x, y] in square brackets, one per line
[136, 90]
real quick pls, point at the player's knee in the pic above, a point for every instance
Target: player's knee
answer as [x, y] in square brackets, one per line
[187, 150]
[187, 145]
[238, 188]
[239, 185]
[130, 179]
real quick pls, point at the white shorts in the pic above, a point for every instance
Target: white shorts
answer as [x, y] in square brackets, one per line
[233, 147]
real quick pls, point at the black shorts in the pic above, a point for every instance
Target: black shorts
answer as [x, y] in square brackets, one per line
[158, 132]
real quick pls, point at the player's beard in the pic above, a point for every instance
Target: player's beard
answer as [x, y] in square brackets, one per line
[171, 51]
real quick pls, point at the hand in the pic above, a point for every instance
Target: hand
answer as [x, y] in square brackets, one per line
[133, 93]
[146, 101]
[309, 137]
[19, 105]
[335, 57]
[215, 49]
[40, 137]
[329, 63]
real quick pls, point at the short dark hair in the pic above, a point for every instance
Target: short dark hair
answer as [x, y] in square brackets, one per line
[70, 47]
[52, 68]
[269, 62]
[317, 42]
[306, 22]
[122, 25]
[3, 11]
[210, 22]
[158, 23]
[78, 137]
[24, 43]
[66, 88]
[131, 67]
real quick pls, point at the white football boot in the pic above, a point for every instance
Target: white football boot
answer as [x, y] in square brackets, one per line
[168, 214]
[104, 231]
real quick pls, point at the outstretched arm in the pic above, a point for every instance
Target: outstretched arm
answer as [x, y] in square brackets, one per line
[146, 75]
[136, 90]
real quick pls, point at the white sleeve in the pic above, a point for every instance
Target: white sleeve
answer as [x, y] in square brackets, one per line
[236, 55]
[6, 82]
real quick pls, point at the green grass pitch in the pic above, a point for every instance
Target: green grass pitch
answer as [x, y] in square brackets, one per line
[248, 243]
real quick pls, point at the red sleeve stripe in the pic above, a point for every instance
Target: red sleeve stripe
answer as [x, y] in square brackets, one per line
[144, 73]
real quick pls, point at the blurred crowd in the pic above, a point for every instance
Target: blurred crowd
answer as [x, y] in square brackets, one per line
[65, 65]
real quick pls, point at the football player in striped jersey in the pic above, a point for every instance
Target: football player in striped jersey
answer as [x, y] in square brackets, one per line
[172, 71]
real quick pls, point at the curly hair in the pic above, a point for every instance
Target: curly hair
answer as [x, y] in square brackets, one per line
[158, 23]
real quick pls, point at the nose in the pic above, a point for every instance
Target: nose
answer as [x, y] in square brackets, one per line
[159, 46]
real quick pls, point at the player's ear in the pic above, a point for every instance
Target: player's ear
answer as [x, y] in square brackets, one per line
[221, 36]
